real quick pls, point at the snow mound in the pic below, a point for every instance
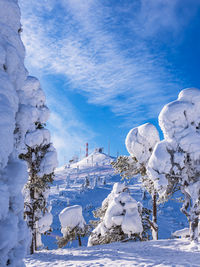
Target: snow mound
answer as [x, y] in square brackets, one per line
[141, 140]
[71, 217]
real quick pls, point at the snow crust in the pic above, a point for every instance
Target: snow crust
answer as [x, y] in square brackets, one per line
[71, 217]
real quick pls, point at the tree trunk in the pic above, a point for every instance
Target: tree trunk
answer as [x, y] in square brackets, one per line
[155, 228]
[192, 215]
[194, 228]
[32, 224]
[79, 241]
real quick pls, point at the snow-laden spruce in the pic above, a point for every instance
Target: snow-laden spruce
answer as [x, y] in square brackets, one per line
[73, 225]
[140, 142]
[175, 162]
[13, 172]
[120, 217]
[40, 156]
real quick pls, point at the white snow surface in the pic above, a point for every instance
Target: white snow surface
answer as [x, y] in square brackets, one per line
[175, 252]
[93, 159]
[71, 217]
[95, 163]
[141, 140]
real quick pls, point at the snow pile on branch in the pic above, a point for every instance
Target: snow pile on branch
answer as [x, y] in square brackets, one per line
[141, 140]
[73, 225]
[175, 161]
[45, 222]
[13, 172]
[120, 217]
[71, 217]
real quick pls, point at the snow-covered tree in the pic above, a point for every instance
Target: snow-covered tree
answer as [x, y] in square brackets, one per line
[120, 217]
[40, 156]
[128, 167]
[13, 171]
[140, 142]
[174, 163]
[73, 225]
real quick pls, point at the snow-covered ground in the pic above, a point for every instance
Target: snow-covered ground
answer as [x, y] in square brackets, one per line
[169, 253]
[68, 189]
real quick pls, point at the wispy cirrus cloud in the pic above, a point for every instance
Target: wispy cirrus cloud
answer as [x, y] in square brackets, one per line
[107, 51]
[81, 44]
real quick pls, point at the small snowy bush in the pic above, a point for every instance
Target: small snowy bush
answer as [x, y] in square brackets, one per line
[120, 218]
[73, 225]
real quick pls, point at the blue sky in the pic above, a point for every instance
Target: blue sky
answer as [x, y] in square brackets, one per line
[107, 66]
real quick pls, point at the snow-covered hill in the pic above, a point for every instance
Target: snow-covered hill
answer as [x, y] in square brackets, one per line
[96, 163]
[69, 189]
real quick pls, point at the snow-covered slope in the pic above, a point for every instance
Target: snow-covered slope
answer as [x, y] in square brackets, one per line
[70, 188]
[96, 163]
[94, 159]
